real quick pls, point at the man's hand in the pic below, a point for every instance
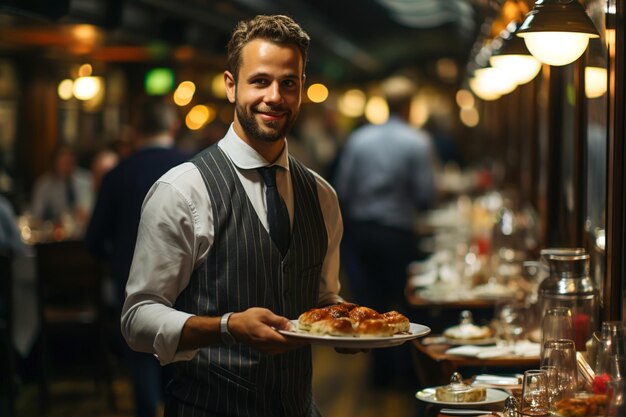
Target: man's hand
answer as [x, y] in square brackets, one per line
[258, 327]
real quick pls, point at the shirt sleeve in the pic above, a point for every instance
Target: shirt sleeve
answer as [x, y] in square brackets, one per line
[330, 285]
[167, 251]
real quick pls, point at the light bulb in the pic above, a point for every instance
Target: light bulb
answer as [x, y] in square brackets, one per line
[480, 87]
[556, 48]
[596, 82]
[86, 88]
[522, 68]
[495, 80]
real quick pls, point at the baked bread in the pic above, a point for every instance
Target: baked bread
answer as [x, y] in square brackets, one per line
[459, 392]
[470, 395]
[342, 326]
[340, 310]
[363, 313]
[306, 319]
[374, 328]
[399, 322]
[347, 319]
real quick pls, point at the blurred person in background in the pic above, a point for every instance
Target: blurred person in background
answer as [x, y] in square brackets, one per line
[215, 274]
[102, 163]
[384, 178]
[66, 190]
[112, 231]
[10, 240]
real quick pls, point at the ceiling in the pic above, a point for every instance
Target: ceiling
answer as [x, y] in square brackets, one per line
[352, 40]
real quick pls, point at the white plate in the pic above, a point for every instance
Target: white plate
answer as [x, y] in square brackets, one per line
[415, 331]
[493, 396]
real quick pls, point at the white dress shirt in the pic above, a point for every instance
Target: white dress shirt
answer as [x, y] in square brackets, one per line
[175, 235]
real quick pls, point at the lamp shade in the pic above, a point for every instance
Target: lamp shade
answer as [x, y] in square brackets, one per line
[557, 32]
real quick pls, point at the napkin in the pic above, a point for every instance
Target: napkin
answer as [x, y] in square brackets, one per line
[496, 379]
[523, 349]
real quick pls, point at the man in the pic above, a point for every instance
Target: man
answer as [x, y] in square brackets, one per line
[65, 190]
[384, 178]
[212, 278]
[112, 231]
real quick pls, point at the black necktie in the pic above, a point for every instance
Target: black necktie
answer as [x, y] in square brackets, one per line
[277, 214]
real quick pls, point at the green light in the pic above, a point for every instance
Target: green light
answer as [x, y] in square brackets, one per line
[159, 81]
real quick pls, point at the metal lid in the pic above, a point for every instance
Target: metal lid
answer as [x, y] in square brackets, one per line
[569, 275]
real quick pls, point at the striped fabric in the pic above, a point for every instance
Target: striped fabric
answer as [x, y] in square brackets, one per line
[245, 269]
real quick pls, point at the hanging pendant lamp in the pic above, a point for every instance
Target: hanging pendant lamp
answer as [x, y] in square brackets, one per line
[557, 32]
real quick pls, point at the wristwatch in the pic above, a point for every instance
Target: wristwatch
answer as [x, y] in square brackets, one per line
[225, 335]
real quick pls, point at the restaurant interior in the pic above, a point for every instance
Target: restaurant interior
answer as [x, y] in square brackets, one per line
[528, 137]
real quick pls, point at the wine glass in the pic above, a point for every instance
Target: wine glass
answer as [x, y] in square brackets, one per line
[534, 394]
[510, 318]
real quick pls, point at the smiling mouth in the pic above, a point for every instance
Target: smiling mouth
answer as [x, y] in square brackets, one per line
[271, 116]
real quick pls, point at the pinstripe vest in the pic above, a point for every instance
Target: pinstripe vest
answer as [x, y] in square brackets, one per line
[245, 269]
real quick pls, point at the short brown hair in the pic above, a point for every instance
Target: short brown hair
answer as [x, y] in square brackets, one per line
[277, 28]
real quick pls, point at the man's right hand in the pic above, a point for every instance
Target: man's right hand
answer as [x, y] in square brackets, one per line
[258, 327]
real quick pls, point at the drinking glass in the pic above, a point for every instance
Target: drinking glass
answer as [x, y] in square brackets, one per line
[556, 324]
[534, 394]
[510, 320]
[617, 399]
[561, 353]
[552, 385]
[611, 344]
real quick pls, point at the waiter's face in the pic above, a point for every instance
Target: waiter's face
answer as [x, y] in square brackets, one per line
[268, 90]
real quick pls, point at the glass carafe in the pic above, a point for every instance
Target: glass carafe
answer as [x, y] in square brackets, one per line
[570, 285]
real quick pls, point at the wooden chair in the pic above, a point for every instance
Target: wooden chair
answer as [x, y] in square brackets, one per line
[8, 389]
[73, 322]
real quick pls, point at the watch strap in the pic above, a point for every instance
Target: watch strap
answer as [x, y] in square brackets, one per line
[225, 335]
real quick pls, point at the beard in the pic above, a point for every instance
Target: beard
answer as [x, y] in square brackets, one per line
[273, 131]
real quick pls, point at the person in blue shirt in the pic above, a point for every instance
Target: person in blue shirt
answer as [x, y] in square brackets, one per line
[384, 178]
[10, 240]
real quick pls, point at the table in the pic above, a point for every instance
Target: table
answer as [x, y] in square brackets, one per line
[435, 366]
[439, 315]
[415, 301]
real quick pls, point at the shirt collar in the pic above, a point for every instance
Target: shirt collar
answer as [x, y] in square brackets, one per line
[245, 157]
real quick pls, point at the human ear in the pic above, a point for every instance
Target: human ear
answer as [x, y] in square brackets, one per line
[231, 86]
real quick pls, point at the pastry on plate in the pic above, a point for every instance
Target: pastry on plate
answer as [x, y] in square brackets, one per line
[398, 321]
[336, 320]
[374, 328]
[459, 392]
[342, 326]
